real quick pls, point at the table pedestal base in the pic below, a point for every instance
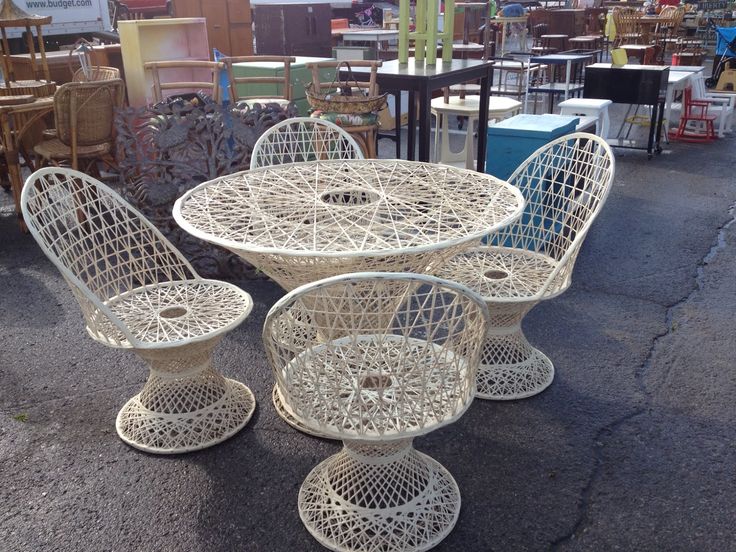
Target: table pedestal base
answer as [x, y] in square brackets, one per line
[185, 405]
[379, 497]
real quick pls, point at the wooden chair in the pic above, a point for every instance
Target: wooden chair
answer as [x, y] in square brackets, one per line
[190, 68]
[628, 26]
[365, 135]
[84, 117]
[282, 82]
[696, 124]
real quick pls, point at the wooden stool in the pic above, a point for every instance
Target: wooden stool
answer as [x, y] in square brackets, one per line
[589, 107]
[499, 107]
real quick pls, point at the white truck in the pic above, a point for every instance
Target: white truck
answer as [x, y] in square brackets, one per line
[69, 17]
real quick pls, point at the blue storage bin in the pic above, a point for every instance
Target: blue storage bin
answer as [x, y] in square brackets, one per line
[512, 140]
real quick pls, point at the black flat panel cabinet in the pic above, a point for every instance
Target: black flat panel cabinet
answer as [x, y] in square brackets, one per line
[293, 29]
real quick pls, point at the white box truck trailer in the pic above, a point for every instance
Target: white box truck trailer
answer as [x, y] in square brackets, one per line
[69, 17]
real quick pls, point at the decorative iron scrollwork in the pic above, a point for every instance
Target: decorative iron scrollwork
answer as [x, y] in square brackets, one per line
[167, 149]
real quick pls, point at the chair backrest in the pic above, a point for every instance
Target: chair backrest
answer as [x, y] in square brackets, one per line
[303, 139]
[84, 112]
[376, 355]
[565, 183]
[627, 21]
[174, 71]
[283, 80]
[96, 73]
[103, 247]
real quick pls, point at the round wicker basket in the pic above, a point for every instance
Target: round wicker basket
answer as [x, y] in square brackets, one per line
[332, 101]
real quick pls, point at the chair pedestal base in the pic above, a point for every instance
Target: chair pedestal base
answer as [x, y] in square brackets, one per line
[511, 368]
[379, 497]
[185, 405]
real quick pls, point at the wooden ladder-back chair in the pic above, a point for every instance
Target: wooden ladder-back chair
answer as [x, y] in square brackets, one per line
[84, 114]
[191, 68]
[282, 82]
[628, 26]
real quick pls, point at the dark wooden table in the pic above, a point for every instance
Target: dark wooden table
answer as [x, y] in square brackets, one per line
[631, 84]
[422, 79]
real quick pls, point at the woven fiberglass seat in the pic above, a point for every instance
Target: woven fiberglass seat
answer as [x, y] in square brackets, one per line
[137, 291]
[303, 139]
[565, 184]
[376, 359]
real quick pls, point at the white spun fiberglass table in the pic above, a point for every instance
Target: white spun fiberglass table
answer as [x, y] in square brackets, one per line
[301, 222]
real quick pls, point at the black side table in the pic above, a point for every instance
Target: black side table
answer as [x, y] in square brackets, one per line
[422, 79]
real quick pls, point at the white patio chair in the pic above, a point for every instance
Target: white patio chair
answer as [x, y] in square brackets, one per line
[303, 139]
[376, 359]
[137, 291]
[565, 184]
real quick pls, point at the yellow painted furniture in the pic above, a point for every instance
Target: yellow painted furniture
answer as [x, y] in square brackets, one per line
[144, 41]
[426, 33]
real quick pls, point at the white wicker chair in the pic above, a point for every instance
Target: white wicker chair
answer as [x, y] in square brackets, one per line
[137, 291]
[376, 359]
[565, 184]
[303, 139]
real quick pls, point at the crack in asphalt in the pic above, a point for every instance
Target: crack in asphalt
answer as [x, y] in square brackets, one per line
[639, 376]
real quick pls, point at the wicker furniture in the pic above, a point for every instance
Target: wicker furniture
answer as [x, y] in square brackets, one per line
[301, 222]
[84, 118]
[136, 291]
[96, 73]
[162, 88]
[565, 184]
[281, 80]
[303, 139]
[365, 98]
[398, 363]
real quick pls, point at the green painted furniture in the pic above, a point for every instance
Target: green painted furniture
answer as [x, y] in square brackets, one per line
[300, 76]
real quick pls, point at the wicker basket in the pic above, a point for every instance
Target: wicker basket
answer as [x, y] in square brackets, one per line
[330, 99]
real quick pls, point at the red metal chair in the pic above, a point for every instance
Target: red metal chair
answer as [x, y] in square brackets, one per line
[696, 112]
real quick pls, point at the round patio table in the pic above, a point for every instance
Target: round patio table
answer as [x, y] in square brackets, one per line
[301, 222]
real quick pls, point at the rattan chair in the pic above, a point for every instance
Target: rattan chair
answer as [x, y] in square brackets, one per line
[96, 73]
[565, 184]
[376, 359]
[136, 291]
[167, 77]
[283, 82]
[84, 114]
[303, 139]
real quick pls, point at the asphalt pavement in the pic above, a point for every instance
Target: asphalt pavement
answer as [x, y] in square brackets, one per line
[633, 446]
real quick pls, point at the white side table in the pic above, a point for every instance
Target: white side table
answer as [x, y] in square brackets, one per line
[499, 107]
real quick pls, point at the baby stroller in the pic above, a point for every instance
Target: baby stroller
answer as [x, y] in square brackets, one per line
[725, 52]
